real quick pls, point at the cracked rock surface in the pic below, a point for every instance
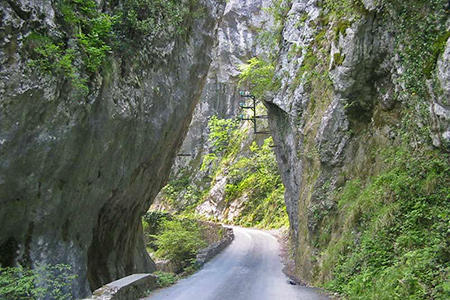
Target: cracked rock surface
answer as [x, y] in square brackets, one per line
[76, 174]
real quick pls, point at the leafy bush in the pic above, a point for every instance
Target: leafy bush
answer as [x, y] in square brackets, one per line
[259, 75]
[153, 220]
[147, 21]
[90, 29]
[220, 131]
[179, 240]
[155, 217]
[270, 37]
[88, 35]
[257, 177]
[251, 172]
[344, 8]
[165, 279]
[19, 283]
[180, 192]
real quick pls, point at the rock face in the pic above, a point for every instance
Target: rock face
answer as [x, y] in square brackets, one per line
[76, 174]
[346, 78]
[440, 107]
[237, 43]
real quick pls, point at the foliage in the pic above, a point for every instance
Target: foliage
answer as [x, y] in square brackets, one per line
[209, 161]
[88, 35]
[165, 279]
[155, 217]
[259, 75]
[421, 33]
[174, 188]
[179, 240]
[279, 9]
[44, 281]
[90, 31]
[338, 59]
[152, 220]
[256, 177]
[420, 38]
[394, 237]
[146, 22]
[344, 8]
[270, 36]
[180, 193]
[220, 131]
[251, 172]
[151, 224]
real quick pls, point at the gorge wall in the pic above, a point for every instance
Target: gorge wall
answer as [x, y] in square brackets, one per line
[359, 112]
[90, 126]
[237, 41]
[363, 105]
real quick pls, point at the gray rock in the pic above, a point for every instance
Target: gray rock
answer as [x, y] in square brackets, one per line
[327, 126]
[440, 107]
[76, 174]
[237, 42]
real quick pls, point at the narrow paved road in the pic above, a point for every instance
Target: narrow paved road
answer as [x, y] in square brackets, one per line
[249, 269]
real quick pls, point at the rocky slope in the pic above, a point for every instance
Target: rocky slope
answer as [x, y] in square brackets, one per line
[83, 156]
[360, 78]
[238, 41]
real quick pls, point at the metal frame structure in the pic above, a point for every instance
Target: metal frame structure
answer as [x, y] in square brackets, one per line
[254, 117]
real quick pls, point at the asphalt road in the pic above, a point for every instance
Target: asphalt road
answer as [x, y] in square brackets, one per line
[249, 269]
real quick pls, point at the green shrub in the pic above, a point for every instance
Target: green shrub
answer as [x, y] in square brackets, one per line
[144, 23]
[220, 131]
[251, 171]
[91, 31]
[344, 8]
[165, 279]
[178, 186]
[89, 35]
[153, 220]
[259, 75]
[179, 241]
[257, 177]
[19, 283]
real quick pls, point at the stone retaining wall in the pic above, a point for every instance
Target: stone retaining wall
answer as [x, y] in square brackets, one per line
[213, 249]
[128, 288]
[137, 285]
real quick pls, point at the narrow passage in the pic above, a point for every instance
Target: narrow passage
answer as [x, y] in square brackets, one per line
[249, 269]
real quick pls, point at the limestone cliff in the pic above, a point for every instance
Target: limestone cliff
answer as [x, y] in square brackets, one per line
[83, 156]
[358, 78]
[237, 41]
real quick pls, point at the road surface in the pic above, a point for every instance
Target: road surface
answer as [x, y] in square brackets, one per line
[248, 269]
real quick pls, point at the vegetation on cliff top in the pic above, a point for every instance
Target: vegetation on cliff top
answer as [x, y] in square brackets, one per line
[88, 34]
[259, 75]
